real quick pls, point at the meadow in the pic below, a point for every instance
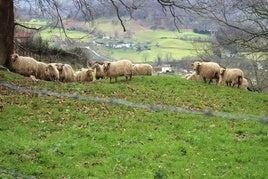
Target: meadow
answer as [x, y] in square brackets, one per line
[161, 43]
[43, 136]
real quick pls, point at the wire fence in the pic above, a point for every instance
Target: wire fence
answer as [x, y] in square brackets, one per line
[115, 101]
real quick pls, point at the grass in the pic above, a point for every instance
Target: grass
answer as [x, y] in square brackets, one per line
[49, 32]
[55, 137]
[161, 42]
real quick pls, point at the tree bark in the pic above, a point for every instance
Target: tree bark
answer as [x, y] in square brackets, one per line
[6, 31]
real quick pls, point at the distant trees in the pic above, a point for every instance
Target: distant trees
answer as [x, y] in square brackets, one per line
[246, 20]
[243, 23]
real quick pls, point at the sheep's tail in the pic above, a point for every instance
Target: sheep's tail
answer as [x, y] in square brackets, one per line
[240, 79]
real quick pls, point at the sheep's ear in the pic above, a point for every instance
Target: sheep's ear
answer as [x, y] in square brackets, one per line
[222, 71]
[192, 64]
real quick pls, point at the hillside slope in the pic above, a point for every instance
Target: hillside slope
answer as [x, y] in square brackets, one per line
[92, 131]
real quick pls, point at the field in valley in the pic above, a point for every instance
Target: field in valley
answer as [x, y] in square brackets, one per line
[147, 45]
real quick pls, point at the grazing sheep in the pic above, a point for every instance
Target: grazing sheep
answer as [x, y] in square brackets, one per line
[207, 71]
[66, 72]
[26, 66]
[41, 72]
[244, 85]
[99, 71]
[52, 72]
[142, 69]
[119, 68]
[84, 75]
[193, 76]
[231, 77]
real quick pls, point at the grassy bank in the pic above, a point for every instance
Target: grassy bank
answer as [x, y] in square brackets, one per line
[54, 137]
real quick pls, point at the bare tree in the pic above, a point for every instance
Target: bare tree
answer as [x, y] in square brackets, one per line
[54, 11]
[248, 17]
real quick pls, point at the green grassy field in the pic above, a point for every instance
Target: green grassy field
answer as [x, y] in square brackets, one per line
[48, 33]
[161, 42]
[55, 137]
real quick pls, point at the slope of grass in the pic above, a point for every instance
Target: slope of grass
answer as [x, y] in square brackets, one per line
[54, 137]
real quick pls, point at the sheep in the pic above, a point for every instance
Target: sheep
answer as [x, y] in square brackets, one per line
[84, 75]
[26, 66]
[41, 72]
[52, 72]
[231, 77]
[207, 71]
[142, 69]
[66, 72]
[99, 71]
[193, 76]
[119, 68]
[244, 85]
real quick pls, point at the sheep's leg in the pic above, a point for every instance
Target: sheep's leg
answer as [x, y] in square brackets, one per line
[204, 79]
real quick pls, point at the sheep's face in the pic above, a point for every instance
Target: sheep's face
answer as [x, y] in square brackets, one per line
[60, 67]
[222, 70]
[96, 66]
[106, 66]
[196, 66]
[89, 72]
[14, 57]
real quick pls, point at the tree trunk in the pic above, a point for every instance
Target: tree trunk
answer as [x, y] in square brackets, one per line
[6, 31]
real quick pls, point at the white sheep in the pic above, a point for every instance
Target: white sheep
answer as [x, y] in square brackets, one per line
[84, 75]
[231, 77]
[66, 72]
[41, 72]
[193, 76]
[142, 69]
[99, 71]
[119, 68]
[26, 66]
[207, 71]
[52, 72]
[244, 85]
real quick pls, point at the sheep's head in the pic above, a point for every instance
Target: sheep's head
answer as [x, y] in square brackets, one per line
[222, 71]
[14, 57]
[59, 66]
[106, 66]
[196, 66]
[89, 72]
[96, 66]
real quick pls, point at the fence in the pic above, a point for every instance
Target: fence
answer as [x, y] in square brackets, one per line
[114, 101]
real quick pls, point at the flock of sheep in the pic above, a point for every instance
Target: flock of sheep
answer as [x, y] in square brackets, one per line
[203, 71]
[28, 66]
[211, 71]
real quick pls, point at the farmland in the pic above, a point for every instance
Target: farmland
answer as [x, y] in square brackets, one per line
[145, 44]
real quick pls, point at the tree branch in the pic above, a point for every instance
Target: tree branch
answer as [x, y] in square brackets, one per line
[26, 27]
[118, 15]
